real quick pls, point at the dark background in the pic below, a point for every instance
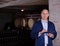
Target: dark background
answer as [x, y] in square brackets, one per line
[7, 14]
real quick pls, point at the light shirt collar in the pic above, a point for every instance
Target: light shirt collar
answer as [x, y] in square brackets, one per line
[46, 21]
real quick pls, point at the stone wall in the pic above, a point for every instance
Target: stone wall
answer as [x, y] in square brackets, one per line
[54, 9]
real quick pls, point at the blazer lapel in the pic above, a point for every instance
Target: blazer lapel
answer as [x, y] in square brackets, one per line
[41, 26]
[49, 27]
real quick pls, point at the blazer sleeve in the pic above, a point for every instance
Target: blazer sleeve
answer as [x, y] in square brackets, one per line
[53, 31]
[34, 32]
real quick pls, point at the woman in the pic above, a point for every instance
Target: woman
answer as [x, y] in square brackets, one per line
[43, 31]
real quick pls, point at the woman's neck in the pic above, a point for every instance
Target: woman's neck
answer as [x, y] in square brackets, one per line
[45, 19]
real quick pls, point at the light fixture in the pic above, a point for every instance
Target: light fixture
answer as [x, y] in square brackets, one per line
[22, 10]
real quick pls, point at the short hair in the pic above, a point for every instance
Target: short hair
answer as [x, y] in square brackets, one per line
[44, 9]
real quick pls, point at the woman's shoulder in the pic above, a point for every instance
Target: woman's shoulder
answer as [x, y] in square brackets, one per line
[52, 23]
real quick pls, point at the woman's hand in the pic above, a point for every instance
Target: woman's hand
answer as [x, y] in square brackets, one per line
[50, 35]
[39, 34]
[43, 31]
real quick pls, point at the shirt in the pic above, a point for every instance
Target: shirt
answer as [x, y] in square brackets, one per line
[45, 26]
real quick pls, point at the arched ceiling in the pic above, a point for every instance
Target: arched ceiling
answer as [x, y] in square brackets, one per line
[4, 3]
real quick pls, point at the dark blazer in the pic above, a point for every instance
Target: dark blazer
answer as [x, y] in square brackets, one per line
[39, 41]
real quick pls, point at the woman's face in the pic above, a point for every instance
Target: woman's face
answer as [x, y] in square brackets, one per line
[45, 14]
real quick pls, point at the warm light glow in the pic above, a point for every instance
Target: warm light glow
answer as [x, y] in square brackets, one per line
[22, 10]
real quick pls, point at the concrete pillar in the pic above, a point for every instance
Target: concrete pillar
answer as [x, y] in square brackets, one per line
[54, 9]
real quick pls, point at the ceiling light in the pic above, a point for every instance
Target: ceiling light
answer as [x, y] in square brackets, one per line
[22, 10]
